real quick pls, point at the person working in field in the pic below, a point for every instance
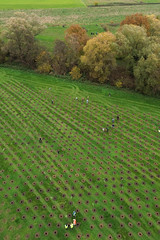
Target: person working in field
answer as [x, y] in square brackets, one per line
[71, 225]
[105, 129]
[74, 222]
[66, 226]
[117, 118]
[74, 213]
[40, 140]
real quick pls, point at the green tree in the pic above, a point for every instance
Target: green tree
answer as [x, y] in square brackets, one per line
[131, 40]
[147, 71]
[154, 22]
[99, 57]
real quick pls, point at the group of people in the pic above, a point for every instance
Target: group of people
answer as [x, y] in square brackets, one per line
[87, 100]
[107, 128]
[103, 129]
[71, 225]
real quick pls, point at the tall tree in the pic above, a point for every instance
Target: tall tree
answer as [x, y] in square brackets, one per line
[99, 57]
[60, 57]
[76, 37]
[20, 32]
[147, 71]
[137, 19]
[154, 22]
[131, 40]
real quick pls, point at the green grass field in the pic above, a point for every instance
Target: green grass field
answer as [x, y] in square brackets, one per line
[28, 4]
[41, 4]
[84, 15]
[51, 33]
[111, 179]
[90, 18]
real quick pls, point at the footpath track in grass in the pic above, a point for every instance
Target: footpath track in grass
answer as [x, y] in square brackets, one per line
[110, 179]
[120, 2]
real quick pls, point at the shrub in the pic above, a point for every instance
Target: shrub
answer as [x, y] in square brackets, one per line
[44, 68]
[75, 73]
[119, 84]
[121, 73]
[44, 62]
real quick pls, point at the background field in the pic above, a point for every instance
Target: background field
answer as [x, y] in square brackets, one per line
[40, 4]
[23, 4]
[111, 179]
[119, 2]
[90, 18]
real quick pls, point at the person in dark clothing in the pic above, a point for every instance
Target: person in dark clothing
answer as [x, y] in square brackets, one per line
[52, 102]
[117, 118]
[107, 129]
[40, 140]
[58, 151]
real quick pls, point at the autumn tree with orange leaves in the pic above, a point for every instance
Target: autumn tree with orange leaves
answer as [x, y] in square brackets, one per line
[77, 37]
[139, 20]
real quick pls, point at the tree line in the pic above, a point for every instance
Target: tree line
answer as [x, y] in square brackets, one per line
[129, 58]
